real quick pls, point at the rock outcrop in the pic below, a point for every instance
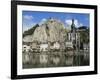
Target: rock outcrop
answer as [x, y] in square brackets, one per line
[52, 30]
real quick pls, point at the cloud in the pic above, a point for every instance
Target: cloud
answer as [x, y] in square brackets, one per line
[76, 22]
[28, 17]
[68, 22]
[42, 21]
[28, 26]
[80, 24]
[28, 22]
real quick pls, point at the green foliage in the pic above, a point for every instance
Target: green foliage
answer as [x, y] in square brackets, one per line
[82, 27]
[84, 36]
[30, 31]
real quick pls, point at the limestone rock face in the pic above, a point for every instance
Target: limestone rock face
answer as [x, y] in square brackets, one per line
[27, 38]
[52, 30]
[40, 34]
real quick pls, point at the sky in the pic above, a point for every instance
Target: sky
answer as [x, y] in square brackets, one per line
[30, 18]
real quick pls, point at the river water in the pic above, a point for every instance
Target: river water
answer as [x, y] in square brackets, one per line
[55, 59]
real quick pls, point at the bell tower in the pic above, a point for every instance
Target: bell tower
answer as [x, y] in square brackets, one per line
[72, 26]
[73, 34]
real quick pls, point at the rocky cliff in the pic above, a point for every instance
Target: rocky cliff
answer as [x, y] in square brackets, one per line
[52, 30]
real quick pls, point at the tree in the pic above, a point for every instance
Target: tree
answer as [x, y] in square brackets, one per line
[30, 31]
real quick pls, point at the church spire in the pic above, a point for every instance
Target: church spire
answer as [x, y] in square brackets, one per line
[72, 26]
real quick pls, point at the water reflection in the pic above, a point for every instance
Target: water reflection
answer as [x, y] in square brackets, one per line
[55, 59]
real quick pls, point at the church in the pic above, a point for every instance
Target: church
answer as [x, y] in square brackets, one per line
[73, 36]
